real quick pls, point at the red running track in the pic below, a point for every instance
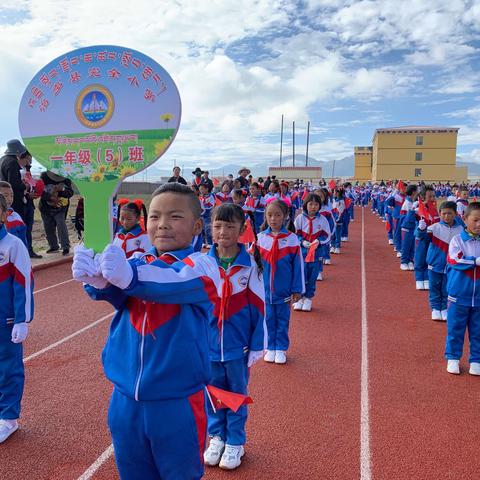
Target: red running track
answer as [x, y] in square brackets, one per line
[305, 422]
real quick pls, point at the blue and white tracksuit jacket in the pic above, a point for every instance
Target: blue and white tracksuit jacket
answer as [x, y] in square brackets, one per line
[132, 241]
[157, 357]
[16, 226]
[408, 222]
[313, 229]
[399, 199]
[463, 287]
[389, 207]
[208, 203]
[461, 206]
[236, 328]
[439, 236]
[16, 306]
[339, 211]
[283, 275]
[256, 205]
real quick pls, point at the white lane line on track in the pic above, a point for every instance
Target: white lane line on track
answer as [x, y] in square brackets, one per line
[94, 467]
[52, 286]
[365, 456]
[69, 337]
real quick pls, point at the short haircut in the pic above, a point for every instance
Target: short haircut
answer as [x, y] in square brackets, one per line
[311, 197]
[411, 189]
[182, 190]
[472, 207]
[448, 205]
[4, 184]
[3, 204]
[463, 189]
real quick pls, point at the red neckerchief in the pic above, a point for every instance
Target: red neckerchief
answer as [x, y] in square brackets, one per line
[273, 257]
[227, 290]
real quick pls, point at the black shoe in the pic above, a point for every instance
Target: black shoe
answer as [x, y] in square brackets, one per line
[53, 250]
[65, 251]
[35, 255]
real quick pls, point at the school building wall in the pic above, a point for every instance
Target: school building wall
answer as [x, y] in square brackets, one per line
[363, 164]
[290, 174]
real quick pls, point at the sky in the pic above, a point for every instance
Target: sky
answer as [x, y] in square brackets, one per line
[348, 67]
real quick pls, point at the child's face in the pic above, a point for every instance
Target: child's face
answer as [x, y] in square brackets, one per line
[275, 218]
[225, 189]
[313, 208]
[171, 223]
[3, 217]
[283, 189]
[237, 185]
[128, 219]
[238, 199]
[225, 234]
[254, 191]
[203, 190]
[448, 215]
[272, 188]
[7, 192]
[429, 196]
[473, 222]
[463, 195]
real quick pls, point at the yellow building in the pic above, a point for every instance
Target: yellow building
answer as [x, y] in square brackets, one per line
[416, 153]
[363, 164]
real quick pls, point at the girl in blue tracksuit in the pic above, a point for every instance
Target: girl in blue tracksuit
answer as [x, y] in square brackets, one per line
[314, 234]
[389, 207]
[157, 354]
[408, 223]
[237, 332]
[439, 234]
[339, 212]
[399, 199]
[283, 277]
[207, 200]
[463, 287]
[16, 311]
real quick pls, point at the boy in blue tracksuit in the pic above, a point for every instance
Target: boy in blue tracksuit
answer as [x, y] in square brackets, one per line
[399, 199]
[156, 354]
[463, 287]
[439, 236]
[16, 311]
[389, 207]
[408, 223]
[237, 332]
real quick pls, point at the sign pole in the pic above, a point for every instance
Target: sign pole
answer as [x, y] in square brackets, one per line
[308, 140]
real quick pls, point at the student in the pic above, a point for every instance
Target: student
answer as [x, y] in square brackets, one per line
[439, 235]
[16, 311]
[256, 204]
[399, 199]
[283, 277]
[157, 350]
[326, 211]
[207, 200]
[14, 223]
[131, 237]
[462, 201]
[408, 223]
[339, 211]
[314, 233]
[427, 211]
[463, 289]
[273, 190]
[225, 194]
[237, 332]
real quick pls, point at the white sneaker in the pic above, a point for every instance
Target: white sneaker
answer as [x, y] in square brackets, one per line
[411, 266]
[419, 285]
[280, 357]
[453, 366]
[269, 356]
[404, 266]
[426, 285]
[337, 251]
[298, 305]
[332, 250]
[474, 368]
[390, 241]
[394, 248]
[307, 305]
[7, 427]
[436, 315]
[384, 221]
[232, 457]
[399, 254]
[319, 277]
[214, 452]
[443, 314]
[327, 261]
[344, 239]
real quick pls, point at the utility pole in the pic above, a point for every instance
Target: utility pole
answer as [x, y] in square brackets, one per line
[281, 141]
[293, 136]
[308, 140]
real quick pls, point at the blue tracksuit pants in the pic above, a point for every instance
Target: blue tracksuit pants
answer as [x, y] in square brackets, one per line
[158, 440]
[421, 267]
[345, 225]
[278, 319]
[311, 270]
[337, 236]
[458, 319]
[408, 246]
[351, 211]
[438, 290]
[12, 375]
[391, 224]
[397, 234]
[233, 376]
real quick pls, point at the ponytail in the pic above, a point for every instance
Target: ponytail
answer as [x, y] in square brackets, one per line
[256, 252]
[290, 226]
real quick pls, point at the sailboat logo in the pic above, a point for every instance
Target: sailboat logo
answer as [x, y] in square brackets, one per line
[94, 106]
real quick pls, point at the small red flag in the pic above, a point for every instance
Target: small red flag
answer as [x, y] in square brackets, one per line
[305, 194]
[247, 236]
[215, 181]
[348, 202]
[332, 184]
[387, 226]
[311, 252]
[224, 399]
[401, 186]
[217, 201]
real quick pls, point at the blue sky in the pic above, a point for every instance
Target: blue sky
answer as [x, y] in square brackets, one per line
[348, 67]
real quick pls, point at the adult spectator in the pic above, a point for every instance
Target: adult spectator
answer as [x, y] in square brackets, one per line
[242, 177]
[198, 172]
[30, 195]
[207, 181]
[176, 177]
[267, 183]
[54, 208]
[15, 158]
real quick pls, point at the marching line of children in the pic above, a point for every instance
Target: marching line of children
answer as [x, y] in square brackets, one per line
[442, 246]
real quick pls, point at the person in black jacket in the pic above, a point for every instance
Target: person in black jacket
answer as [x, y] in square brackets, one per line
[16, 157]
[176, 177]
[54, 208]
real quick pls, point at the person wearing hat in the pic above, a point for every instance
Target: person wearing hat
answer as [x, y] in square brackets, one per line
[198, 172]
[54, 208]
[242, 177]
[16, 157]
